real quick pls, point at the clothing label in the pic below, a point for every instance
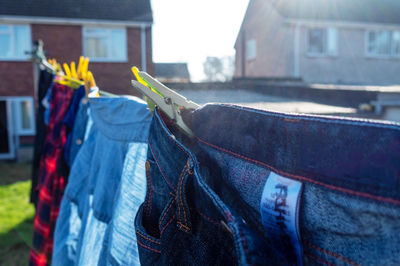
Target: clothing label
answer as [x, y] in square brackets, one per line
[280, 211]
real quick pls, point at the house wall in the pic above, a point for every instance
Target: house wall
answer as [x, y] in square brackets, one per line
[351, 65]
[264, 24]
[16, 78]
[64, 42]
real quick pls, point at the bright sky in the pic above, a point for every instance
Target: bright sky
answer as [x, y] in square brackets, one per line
[190, 30]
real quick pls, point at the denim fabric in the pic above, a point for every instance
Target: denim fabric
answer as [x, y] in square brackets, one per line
[70, 118]
[122, 245]
[77, 136]
[95, 178]
[350, 204]
[183, 221]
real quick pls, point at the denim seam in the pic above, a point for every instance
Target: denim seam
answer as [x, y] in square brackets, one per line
[147, 247]
[243, 240]
[184, 226]
[336, 120]
[302, 178]
[208, 218]
[159, 166]
[181, 205]
[330, 253]
[165, 213]
[148, 238]
[315, 257]
[165, 227]
[168, 135]
[150, 189]
[181, 197]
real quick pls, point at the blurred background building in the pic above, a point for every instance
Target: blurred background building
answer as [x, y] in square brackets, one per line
[329, 41]
[114, 34]
[172, 72]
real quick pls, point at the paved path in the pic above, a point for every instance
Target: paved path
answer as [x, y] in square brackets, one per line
[263, 102]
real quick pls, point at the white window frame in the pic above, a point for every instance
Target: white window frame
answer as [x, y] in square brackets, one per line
[251, 43]
[368, 54]
[11, 32]
[20, 131]
[108, 30]
[325, 52]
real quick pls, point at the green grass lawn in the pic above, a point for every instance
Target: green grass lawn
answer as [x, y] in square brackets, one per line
[16, 213]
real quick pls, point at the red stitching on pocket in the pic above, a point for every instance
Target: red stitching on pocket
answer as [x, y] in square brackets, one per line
[165, 227]
[148, 177]
[149, 248]
[330, 253]
[145, 237]
[165, 213]
[318, 259]
[302, 178]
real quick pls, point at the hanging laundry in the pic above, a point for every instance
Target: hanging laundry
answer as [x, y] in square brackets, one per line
[51, 185]
[45, 81]
[213, 185]
[84, 230]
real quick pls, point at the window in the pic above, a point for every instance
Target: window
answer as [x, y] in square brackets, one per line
[101, 44]
[251, 49]
[322, 41]
[383, 43]
[24, 115]
[15, 40]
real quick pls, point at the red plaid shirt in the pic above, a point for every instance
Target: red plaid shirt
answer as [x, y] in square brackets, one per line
[51, 184]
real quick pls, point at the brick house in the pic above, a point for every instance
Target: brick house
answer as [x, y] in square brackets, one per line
[115, 35]
[329, 41]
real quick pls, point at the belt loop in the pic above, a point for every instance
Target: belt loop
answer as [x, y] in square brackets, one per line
[182, 211]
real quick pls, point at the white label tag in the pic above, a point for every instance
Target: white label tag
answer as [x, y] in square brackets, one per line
[279, 211]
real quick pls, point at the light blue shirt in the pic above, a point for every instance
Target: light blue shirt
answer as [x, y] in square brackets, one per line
[106, 186]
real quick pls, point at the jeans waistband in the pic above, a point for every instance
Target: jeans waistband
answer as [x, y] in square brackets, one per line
[352, 156]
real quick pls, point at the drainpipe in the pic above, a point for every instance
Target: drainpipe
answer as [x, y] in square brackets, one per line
[243, 54]
[144, 48]
[297, 50]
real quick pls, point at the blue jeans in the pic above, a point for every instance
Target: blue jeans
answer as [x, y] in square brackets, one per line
[183, 221]
[349, 206]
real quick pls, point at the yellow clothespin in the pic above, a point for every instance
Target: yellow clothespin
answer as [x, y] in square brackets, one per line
[85, 65]
[58, 68]
[67, 70]
[150, 104]
[73, 70]
[91, 80]
[80, 65]
[68, 79]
